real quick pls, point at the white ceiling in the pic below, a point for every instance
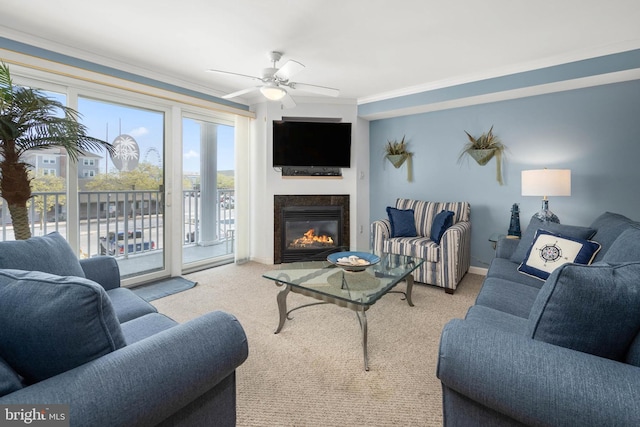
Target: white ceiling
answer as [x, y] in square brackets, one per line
[369, 49]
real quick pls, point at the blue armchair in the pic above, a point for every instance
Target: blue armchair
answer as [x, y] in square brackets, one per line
[82, 340]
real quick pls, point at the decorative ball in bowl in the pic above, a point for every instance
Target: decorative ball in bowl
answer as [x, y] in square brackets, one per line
[353, 261]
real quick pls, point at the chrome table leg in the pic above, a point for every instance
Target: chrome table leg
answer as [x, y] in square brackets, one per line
[409, 280]
[362, 318]
[282, 305]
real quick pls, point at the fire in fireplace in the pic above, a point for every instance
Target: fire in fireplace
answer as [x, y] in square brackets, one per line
[310, 240]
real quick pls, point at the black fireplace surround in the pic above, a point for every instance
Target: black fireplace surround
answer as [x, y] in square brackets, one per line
[309, 227]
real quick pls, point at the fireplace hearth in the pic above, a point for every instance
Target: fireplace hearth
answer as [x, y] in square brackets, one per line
[309, 227]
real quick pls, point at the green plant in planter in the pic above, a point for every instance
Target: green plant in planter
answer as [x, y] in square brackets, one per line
[484, 148]
[396, 152]
[394, 147]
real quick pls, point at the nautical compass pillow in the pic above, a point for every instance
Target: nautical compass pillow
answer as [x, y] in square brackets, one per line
[550, 250]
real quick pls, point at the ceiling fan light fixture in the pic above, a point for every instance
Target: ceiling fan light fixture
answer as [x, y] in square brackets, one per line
[273, 92]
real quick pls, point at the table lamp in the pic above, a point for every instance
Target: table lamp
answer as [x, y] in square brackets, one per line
[546, 182]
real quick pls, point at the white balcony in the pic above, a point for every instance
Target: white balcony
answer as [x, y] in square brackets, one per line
[129, 225]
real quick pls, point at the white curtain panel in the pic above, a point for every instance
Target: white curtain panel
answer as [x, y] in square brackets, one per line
[242, 177]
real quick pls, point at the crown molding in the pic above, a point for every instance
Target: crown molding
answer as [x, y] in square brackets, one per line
[259, 99]
[83, 55]
[581, 55]
[35, 68]
[565, 85]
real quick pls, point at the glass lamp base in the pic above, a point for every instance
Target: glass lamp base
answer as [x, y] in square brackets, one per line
[545, 214]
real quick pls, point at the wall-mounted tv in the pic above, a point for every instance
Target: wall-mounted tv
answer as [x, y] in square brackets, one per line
[311, 144]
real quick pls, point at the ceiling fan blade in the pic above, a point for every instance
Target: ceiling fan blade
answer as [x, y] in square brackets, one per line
[241, 92]
[320, 90]
[289, 69]
[234, 74]
[288, 102]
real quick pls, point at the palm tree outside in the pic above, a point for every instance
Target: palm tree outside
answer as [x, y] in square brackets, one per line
[29, 120]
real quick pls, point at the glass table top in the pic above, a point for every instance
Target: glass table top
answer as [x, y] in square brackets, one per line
[362, 287]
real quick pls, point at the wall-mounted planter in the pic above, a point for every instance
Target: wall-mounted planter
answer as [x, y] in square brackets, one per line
[483, 149]
[482, 156]
[397, 159]
[397, 154]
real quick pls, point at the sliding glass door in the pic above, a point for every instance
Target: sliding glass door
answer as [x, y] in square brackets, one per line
[127, 205]
[121, 197]
[208, 192]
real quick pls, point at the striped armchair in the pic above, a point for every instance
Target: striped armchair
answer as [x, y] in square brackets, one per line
[445, 263]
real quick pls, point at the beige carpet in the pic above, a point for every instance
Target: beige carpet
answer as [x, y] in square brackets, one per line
[311, 373]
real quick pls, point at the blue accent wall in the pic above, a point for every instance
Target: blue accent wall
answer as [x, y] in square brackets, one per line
[594, 131]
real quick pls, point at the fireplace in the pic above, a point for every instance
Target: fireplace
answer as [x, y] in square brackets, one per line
[309, 227]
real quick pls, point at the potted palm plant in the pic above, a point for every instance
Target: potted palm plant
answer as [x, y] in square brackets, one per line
[484, 148]
[29, 120]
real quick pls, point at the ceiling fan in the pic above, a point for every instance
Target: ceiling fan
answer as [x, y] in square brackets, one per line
[275, 80]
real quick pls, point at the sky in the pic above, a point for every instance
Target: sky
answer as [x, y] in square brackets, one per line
[191, 146]
[107, 121]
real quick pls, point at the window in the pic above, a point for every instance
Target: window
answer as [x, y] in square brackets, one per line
[126, 192]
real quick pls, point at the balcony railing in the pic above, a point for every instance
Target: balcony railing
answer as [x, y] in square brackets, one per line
[120, 223]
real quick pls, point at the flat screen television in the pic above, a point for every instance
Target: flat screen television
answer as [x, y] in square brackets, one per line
[311, 144]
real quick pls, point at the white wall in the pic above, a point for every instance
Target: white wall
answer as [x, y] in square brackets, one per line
[267, 182]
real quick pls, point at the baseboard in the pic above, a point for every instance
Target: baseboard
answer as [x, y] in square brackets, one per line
[478, 270]
[261, 260]
[473, 270]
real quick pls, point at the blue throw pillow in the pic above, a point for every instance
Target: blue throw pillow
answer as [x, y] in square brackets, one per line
[593, 309]
[50, 253]
[51, 324]
[549, 251]
[403, 222]
[535, 224]
[441, 222]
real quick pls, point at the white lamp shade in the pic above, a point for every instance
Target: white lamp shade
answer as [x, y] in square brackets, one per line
[546, 182]
[273, 92]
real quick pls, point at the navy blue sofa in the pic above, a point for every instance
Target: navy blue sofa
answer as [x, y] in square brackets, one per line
[69, 334]
[564, 351]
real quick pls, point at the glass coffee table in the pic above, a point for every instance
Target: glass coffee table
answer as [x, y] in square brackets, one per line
[356, 290]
